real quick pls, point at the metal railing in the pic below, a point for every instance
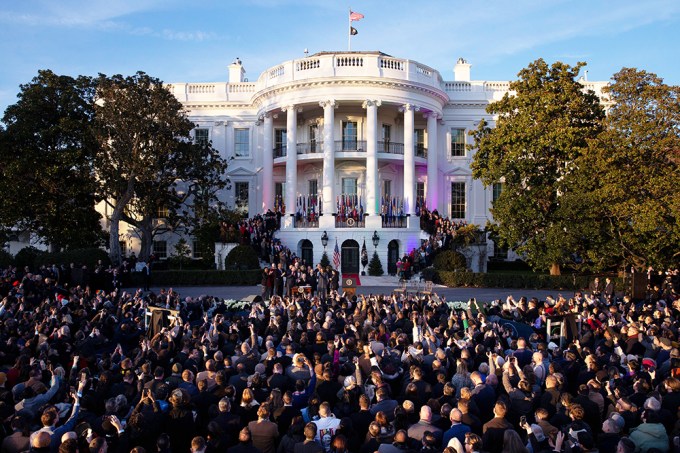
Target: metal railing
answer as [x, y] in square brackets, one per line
[349, 222]
[391, 148]
[394, 221]
[350, 146]
[303, 222]
[310, 148]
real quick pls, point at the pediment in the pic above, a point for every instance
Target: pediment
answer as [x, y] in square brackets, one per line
[241, 171]
[459, 171]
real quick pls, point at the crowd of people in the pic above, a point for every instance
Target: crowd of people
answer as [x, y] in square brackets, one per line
[326, 372]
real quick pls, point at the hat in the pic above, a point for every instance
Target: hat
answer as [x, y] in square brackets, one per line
[537, 431]
[552, 346]
[649, 363]
[350, 382]
[631, 358]
[3, 378]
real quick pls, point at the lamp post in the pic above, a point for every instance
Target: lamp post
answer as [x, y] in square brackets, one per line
[324, 240]
[375, 239]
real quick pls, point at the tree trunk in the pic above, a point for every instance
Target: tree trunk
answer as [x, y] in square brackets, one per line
[555, 269]
[114, 229]
[146, 235]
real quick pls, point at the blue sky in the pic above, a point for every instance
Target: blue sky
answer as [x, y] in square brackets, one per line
[195, 40]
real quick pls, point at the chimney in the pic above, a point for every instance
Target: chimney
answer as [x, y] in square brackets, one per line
[236, 72]
[461, 72]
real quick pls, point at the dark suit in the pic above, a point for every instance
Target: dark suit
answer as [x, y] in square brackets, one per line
[417, 431]
[493, 434]
[308, 446]
[387, 406]
[264, 434]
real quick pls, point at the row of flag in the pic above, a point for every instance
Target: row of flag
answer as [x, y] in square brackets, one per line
[307, 208]
[349, 206]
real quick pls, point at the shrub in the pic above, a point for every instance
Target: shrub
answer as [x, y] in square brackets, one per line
[242, 257]
[448, 260]
[28, 256]
[89, 257]
[537, 281]
[199, 278]
[375, 266]
[6, 259]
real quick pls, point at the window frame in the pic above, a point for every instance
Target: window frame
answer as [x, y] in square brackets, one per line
[241, 132]
[455, 201]
[458, 148]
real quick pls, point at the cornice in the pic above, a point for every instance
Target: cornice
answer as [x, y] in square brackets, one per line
[268, 93]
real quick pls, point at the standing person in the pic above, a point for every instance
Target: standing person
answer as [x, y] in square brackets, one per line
[322, 283]
[280, 273]
[265, 283]
[146, 275]
[263, 432]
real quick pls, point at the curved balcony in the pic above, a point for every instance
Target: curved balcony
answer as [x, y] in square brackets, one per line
[315, 149]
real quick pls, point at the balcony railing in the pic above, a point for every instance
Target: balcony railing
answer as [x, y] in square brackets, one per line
[350, 222]
[280, 151]
[306, 222]
[420, 151]
[350, 146]
[391, 148]
[310, 148]
[394, 221]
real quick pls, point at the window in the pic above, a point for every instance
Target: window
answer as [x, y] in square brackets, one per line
[386, 132]
[497, 188]
[420, 191]
[160, 249]
[241, 142]
[387, 188]
[279, 188]
[313, 187]
[162, 212]
[457, 142]
[349, 135]
[313, 138]
[201, 136]
[196, 247]
[123, 248]
[279, 142]
[241, 201]
[458, 200]
[349, 186]
[500, 253]
[419, 141]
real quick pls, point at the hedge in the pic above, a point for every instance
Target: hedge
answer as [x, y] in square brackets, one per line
[478, 280]
[199, 278]
[242, 257]
[34, 258]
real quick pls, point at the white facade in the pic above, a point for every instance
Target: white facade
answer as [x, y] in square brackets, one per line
[363, 124]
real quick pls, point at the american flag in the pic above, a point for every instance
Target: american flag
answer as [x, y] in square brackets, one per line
[336, 255]
[355, 16]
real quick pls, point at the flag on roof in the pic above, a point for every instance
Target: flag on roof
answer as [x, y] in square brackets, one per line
[355, 16]
[353, 31]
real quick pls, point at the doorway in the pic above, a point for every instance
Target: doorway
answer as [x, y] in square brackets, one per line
[350, 257]
[392, 256]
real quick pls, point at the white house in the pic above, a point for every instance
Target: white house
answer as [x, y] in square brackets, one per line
[333, 132]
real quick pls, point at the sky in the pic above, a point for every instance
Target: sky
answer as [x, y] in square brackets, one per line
[195, 40]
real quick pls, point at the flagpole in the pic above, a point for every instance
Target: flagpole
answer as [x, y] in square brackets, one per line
[349, 30]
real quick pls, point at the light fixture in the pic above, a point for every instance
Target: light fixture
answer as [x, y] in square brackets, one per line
[324, 239]
[375, 239]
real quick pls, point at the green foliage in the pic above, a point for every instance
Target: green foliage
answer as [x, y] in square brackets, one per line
[147, 159]
[34, 258]
[28, 256]
[325, 262]
[540, 132]
[536, 281]
[448, 260]
[200, 278]
[375, 266]
[6, 259]
[46, 150]
[242, 257]
[429, 274]
[633, 171]
[182, 252]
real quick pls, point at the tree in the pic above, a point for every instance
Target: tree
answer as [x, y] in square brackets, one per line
[182, 251]
[47, 150]
[375, 266]
[543, 125]
[147, 160]
[633, 170]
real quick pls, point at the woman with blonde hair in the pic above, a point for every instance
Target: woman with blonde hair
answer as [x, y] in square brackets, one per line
[248, 408]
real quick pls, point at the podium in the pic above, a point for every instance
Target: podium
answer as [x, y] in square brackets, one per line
[171, 315]
[349, 285]
[566, 327]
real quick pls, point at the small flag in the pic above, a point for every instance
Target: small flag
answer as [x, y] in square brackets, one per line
[353, 31]
[355, 16]
[336, 255]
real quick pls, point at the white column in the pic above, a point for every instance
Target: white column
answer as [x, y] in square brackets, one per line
[268, 163]
[432, 162]
[371, 156]
[409, 160]
[291, 160]
[328, 188]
